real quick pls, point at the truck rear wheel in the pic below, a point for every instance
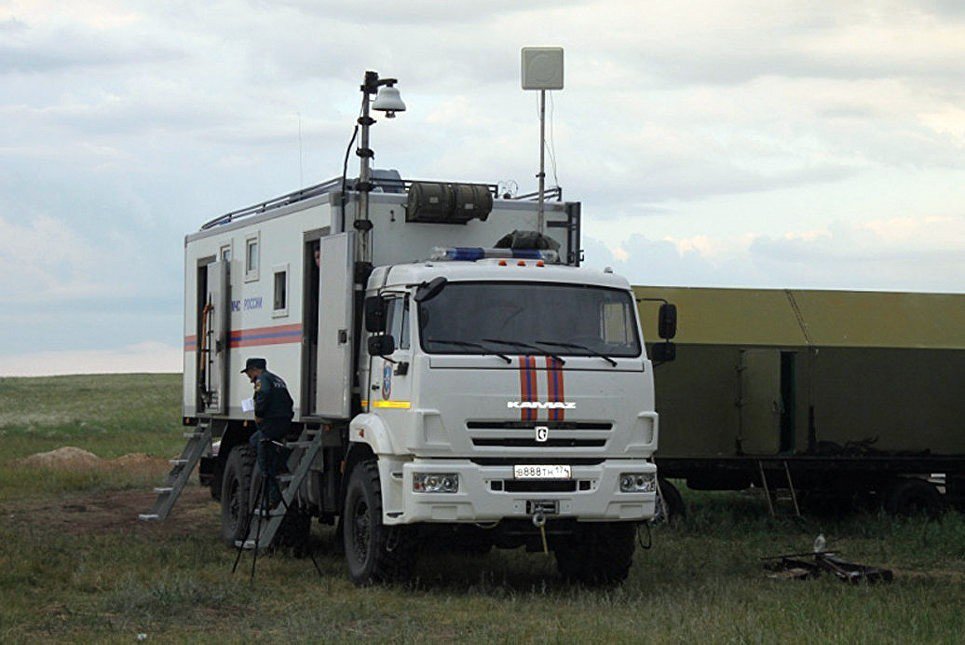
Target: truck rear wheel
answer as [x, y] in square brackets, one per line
[597, 554]
[236, 494]
[374, 552]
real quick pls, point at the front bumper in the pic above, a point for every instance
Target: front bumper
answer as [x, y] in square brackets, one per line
[489, 493]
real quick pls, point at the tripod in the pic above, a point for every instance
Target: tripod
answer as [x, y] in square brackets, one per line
[261, 505]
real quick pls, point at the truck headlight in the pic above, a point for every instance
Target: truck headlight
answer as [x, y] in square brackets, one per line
[638, 483]
[435, 482]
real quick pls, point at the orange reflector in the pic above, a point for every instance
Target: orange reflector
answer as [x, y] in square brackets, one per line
[540, 263]
[502, 263]
[521, 263]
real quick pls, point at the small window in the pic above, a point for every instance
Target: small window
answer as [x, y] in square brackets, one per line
[617, 323]
[280, 291]
[226, 253]
[398, 322]
[251, 258]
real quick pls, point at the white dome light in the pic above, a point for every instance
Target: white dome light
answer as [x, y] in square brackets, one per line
[389, 101]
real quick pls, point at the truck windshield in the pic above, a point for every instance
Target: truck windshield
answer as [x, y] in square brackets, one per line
[562, 319]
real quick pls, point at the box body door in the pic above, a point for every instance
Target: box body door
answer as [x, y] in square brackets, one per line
[215, 339]
[759, 400]
[336, 326]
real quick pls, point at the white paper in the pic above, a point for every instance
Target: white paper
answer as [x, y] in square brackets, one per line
[247, 405]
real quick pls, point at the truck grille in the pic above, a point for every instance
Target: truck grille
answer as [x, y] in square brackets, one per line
[531, 425]
[522, 434]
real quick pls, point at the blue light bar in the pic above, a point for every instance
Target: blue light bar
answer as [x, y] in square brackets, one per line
[473, 253]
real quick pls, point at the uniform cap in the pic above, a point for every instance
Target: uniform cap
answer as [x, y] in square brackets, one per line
[255, 363]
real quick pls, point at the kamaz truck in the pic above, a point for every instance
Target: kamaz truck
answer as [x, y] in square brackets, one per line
[459, 381]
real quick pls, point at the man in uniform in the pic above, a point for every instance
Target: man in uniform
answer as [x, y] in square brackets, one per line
[273, 416]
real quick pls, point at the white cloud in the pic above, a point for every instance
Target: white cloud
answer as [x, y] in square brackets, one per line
[143, 357]
[897, 254]
[740, 142]
[44, 259]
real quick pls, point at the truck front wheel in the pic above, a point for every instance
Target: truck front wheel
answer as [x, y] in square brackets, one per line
[375, 553]
[597, 554]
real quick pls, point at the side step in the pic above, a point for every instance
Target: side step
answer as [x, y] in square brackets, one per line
[263, 529]
[181, 468]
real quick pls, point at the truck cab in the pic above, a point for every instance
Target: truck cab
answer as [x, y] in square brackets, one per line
[509, 393]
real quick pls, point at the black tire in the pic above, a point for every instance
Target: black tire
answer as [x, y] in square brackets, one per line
[908, 497]
[597, 554]
[670, 503]
[236, 494]
[374, 552]
[217, 481]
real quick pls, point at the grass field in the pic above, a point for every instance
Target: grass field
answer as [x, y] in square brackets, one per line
[75, 565]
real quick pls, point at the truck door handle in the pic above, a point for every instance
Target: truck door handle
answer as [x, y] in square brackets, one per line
[342, 336]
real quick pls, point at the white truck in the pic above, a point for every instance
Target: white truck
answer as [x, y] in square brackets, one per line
[459, 381]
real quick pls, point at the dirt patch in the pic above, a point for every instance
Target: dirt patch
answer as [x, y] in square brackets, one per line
[116, 512]
[137, 460]
[77, 459]
[66, 458]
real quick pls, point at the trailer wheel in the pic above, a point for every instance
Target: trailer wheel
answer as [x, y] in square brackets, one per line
[670, 504]
[374, 552]
[908, 497]
[235, 494]
[597, 554]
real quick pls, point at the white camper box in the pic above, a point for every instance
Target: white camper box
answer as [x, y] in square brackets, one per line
[248, 270]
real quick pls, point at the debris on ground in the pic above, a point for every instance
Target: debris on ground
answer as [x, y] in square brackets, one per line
[804, 566]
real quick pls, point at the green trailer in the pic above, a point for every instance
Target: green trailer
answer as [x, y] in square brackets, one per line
[827, 394]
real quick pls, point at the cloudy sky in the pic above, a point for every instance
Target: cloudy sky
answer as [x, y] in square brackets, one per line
[805, 144]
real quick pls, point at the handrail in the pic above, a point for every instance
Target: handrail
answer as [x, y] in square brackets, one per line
[319, 189]
[556, 192]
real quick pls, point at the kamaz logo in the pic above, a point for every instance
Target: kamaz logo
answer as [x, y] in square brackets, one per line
[541, 405]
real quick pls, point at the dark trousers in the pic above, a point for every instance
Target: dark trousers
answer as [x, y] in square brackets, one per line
[271, 456]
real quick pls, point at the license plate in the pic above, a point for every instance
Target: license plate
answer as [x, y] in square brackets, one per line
[542, 471]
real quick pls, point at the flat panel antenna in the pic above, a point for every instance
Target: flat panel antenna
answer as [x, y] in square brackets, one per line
[542, 69]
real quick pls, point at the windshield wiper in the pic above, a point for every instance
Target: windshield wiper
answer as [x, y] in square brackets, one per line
[466, 343]
[576, 346]
[518, 343]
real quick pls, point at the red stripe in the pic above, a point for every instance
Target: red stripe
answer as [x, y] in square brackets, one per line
[527, 386]
[554, 375]
[266, 341]
[552, 386]
[256, 336]
[277, 329]
[533, 395]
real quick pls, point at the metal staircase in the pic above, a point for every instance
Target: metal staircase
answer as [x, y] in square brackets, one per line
[265, 524]
[199, 441]
[771, 491]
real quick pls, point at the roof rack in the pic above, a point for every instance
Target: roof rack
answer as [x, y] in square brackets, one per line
[388, 184]
[556, 192]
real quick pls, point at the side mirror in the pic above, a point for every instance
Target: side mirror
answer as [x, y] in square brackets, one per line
[667, 321]
[381, 345]
[375, 314]
[664, 352]
[431, 289]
